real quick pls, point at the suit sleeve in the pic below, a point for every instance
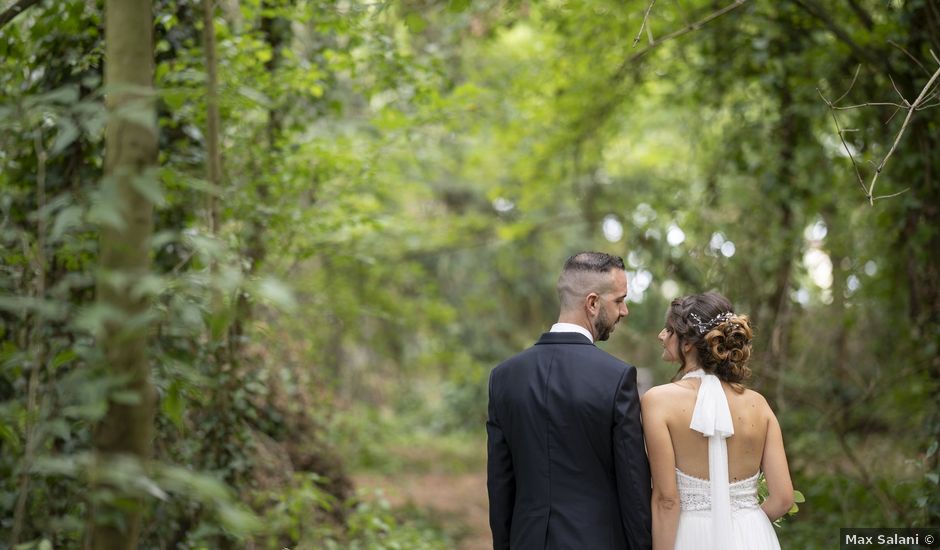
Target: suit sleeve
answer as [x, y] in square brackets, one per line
[500, 477]
[631, 465]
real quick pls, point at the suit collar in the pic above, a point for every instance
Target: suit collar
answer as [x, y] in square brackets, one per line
[564, 338]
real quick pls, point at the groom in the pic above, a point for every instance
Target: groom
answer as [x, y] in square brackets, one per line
[566, 465]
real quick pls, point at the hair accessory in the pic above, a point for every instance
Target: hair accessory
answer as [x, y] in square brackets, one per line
[704, 327]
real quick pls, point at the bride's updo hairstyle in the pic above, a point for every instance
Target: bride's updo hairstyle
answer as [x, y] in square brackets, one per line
[721, 337]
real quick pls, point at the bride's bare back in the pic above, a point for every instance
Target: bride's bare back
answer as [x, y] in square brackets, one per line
[749, 412]
[757, 443]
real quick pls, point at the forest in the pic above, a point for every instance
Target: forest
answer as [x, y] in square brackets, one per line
[259, 257]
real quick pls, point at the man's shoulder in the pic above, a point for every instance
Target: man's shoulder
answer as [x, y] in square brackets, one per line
[611, 360]
[523, 357]
[587, 355]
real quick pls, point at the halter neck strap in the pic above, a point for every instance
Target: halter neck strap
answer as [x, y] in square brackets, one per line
[711, 415]
[712, 418]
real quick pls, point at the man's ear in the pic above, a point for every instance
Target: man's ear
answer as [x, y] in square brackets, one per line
[592, 301]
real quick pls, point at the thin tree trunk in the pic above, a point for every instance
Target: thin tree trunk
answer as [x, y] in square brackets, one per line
[918, 237]
[276, 32]
[213, 171]
[778, 349]
[213, 151]
[37, 341]
[131, 148]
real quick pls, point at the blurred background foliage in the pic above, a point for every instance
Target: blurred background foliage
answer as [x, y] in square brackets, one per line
[401, 183]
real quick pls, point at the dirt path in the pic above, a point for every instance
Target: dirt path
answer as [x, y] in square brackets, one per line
[458, 499]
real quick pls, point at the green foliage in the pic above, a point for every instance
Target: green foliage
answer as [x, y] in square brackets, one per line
[402, 183]
[298, 518]
[763, 492]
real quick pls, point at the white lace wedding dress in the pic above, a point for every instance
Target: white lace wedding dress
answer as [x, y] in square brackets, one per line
[716, 514]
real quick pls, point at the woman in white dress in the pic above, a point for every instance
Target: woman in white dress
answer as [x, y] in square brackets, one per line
[708, 437]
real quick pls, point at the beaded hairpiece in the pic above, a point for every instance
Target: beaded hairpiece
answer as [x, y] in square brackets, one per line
[704, 327]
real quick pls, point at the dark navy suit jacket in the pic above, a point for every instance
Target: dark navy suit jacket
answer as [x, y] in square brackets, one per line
[566, 466]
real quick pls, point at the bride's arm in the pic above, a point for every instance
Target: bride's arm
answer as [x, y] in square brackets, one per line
[774, 465]
[665, 501]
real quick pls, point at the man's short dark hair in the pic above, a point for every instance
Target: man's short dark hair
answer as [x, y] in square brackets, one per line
[599, 262]
[583, 274]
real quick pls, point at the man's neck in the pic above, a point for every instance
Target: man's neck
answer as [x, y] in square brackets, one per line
[566, 324]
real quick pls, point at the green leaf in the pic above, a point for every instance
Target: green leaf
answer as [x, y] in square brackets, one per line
[148, 185]
[139, 113]
[67, 218]
[172, 404]
[149, 285]
[415, 22]
[457, 6]
[57, 465]
[94, 317]
[276, 292]
[66, 95]
[21, 305]
[126, 397]
[200, 185]
[263, 55]
[151, 488]
[58, 428]
[239, 520]
[255, 96]
[8, 435]
[68, 132]
[175, 98]
[199, 486]
[163, 238]
[798, 497]
[105, 205]
[63, 358]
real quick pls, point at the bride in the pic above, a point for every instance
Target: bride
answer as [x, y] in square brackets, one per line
[708, 437]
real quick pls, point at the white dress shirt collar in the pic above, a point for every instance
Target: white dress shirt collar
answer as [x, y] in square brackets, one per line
[570, 327]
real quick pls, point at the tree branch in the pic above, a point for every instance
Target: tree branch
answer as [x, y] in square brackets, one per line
[863, 15]
[675, 34]
[907, 53]
[883, 104]
[926, 95]
[643, 24]
[848, 151]
[16, 9]
[852, 85]
[897, 139]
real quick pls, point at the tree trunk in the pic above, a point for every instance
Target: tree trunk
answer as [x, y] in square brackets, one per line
[131, 148]
[788, 132]
[276, 32]
[918, 236]
[213, 151]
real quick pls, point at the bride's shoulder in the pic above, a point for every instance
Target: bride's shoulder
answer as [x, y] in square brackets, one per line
[756, 400]
[664, 393]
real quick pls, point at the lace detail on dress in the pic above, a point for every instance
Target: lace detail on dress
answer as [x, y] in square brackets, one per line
[695, 493]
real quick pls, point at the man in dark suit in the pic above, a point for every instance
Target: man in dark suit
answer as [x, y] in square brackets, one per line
[566, 467]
